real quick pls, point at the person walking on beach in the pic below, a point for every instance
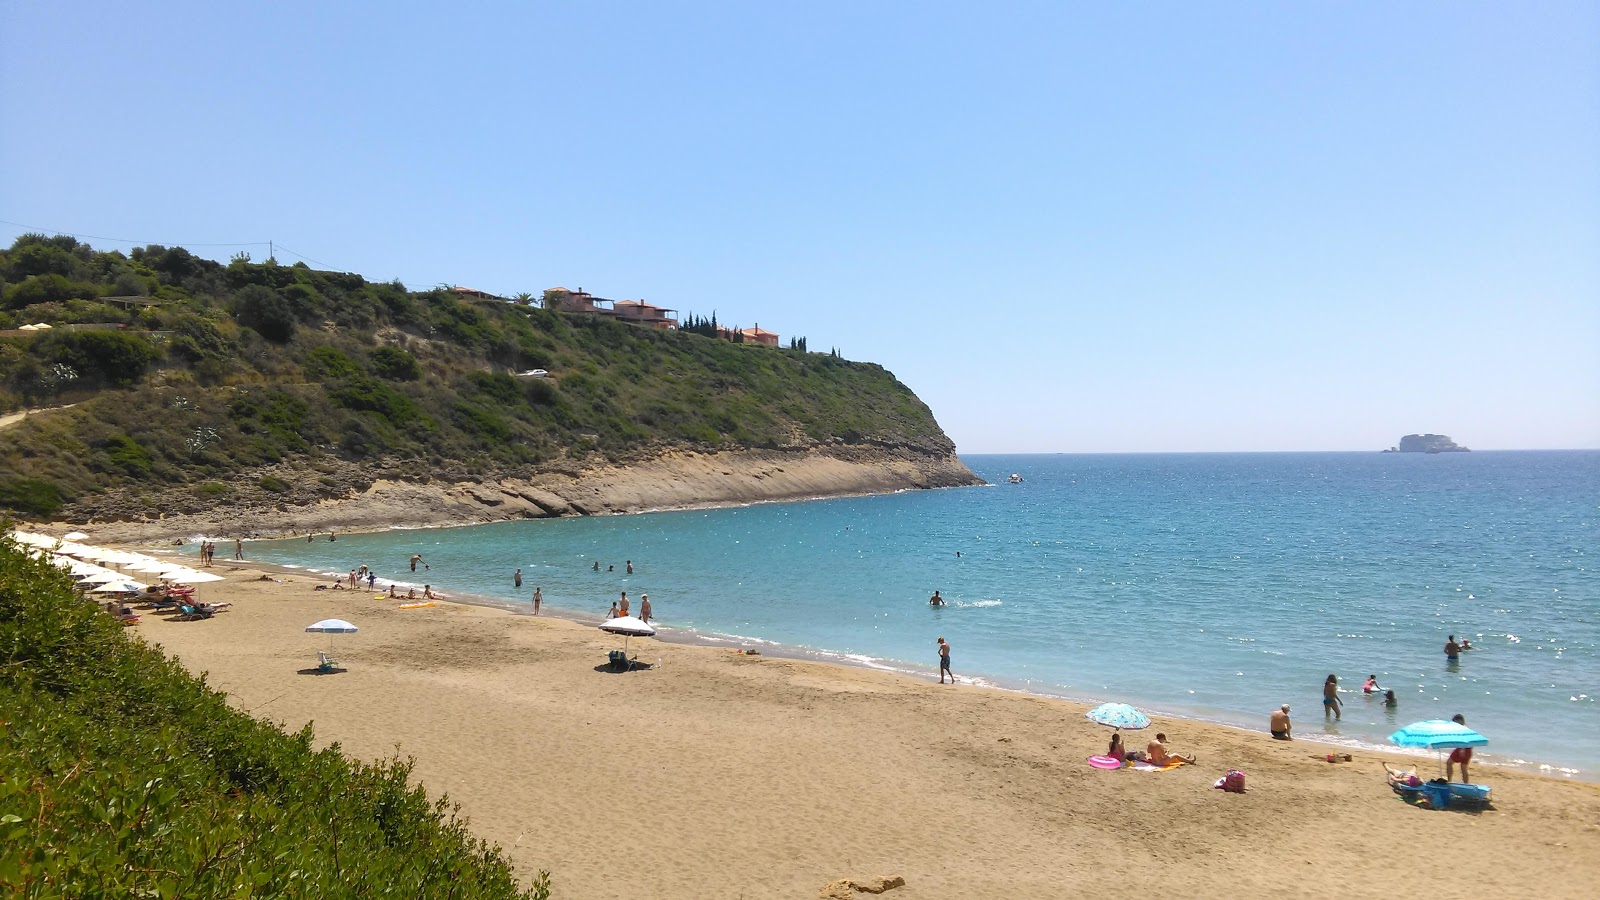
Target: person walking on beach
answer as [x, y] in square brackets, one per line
[372, 579]
[238, 548]
[516, 578]
[1280, 726]
[352, 579]
[538, 598]
[1330, 699]
[614, 614]
[944, 662]
[644, 608]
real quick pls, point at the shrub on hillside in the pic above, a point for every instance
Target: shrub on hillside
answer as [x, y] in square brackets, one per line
[395, 364]
[124, 776]
[33, 496]
[263, 310]
[116, 358]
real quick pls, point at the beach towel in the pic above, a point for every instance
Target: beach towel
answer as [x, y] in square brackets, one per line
[1147, 767]
[416, 605]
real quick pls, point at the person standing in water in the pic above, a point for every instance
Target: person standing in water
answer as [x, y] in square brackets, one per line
[623, 603]
[415, 558]
[1330, 698]
[516, 578]
[944, 662]
[537, 599]
[644, 608]
[630, 567]
[936, 600]
[238, 548]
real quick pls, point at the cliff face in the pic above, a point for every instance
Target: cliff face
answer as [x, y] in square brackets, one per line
[670, 480]
[268, 391]
[1429, 443]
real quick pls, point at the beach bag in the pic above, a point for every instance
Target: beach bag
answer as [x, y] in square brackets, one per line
[1233, 782]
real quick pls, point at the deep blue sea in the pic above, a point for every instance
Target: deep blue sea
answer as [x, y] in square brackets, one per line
[1215, 586]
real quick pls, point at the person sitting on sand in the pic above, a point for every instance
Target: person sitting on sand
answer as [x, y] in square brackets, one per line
[1390, 700]
[1280, 726]
[614, 614]
[338, 585]
[1116, 751]
[1459, 756]
[1156, 753]
[427, 592]
[411, 594]
[393, 592]
[1370, 686]
[936, 600]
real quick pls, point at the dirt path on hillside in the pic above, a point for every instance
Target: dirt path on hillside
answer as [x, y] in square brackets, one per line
[10, 419]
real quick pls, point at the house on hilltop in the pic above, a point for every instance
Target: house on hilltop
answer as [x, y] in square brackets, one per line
[642, 313]
[759, 335]
[467, 293]
[578, 301]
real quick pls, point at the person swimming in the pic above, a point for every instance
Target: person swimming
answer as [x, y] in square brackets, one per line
[1389, 699]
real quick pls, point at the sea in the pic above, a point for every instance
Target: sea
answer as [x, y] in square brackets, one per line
[1203, 586]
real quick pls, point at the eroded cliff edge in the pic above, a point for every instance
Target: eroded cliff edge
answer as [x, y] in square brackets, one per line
[671, 479]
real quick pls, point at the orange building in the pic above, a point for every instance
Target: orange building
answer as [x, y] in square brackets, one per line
[642, 313]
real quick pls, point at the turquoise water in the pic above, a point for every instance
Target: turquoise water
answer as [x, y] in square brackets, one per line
[1208, 585]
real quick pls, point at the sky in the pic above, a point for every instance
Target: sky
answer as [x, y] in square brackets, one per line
[1069, 227]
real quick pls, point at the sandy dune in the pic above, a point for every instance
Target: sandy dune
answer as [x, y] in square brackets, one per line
[718, 775]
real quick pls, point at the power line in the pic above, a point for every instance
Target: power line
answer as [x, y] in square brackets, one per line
[99, 237]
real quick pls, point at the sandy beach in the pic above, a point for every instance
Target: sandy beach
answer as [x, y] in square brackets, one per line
[714, 774]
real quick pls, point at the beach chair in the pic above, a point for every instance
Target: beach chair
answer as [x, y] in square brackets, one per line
[1462, 794]
[619, 659]
[187, 613]
[326, 663]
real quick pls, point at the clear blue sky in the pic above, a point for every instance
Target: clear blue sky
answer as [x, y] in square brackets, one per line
[1070, 228]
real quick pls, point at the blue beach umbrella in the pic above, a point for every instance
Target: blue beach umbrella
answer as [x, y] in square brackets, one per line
[1118, 715]
[1437, 734]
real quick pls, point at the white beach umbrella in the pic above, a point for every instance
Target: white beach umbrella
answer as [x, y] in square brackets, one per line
[30, 539]
[120, 587]
[189, 576]
[628, 627]
[332, 626]
[104, 576]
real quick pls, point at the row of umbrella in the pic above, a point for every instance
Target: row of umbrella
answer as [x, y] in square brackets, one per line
[89, 565]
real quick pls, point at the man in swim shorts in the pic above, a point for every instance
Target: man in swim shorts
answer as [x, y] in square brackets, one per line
[944, 662]
[1460, 755]
[936, 600]
[1452, 650]
[1280, 725]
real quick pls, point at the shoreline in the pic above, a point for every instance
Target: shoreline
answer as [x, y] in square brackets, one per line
[692, 637]
[720, 774]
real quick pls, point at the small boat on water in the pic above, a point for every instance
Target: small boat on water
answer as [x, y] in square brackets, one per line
[1015, 478]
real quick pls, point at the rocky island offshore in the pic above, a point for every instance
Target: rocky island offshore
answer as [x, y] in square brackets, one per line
[1427, 443]
[168, 395]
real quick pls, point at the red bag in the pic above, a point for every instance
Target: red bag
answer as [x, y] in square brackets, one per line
[1233, 782]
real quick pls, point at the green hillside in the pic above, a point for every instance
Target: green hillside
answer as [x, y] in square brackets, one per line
[186, 373]
[122, 775]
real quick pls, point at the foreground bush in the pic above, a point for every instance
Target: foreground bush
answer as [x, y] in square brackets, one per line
[121, 775]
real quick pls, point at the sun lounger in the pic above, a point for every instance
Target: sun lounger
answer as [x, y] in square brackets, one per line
[187, 613]
[326, 663]
[1469, 794]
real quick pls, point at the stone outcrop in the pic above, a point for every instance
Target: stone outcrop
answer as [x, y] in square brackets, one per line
[1427, 443]
[344, 497]
[848, 888]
